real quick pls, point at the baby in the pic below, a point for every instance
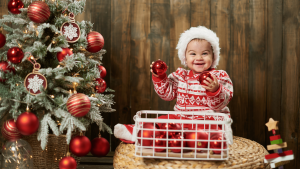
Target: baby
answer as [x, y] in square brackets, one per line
[198, 49]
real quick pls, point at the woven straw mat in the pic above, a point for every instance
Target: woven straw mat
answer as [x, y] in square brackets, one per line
[243, 154]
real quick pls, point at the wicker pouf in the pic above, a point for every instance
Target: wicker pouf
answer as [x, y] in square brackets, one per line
[243, 154]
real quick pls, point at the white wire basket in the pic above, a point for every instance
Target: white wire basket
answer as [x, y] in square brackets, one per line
[203, 138]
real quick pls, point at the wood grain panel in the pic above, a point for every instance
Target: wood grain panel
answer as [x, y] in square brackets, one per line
[200, 13]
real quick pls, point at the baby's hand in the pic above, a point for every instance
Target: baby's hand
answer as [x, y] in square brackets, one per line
[212, 85]
[151, 70]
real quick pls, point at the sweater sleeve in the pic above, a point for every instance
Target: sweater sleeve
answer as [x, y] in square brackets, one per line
[219, 99]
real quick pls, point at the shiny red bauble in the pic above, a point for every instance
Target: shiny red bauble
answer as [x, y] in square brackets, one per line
[203, 77]
[78, 105]
[6, 68]
[27, 123]
[95, 42]
[9, 130]
[2, 40]
[170, 127]
[200, 138]
[103, 71]
[80, 146]
[101, 86]
[14, 6]
[159, 67]
[217, 144]
[100, 147]
[67, 163]
[178, 142]
[15, 55]
[160, 145]
[148, 134]
[38, 12]
[61, 55]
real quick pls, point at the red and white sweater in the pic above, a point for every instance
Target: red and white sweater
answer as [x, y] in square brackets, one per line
[191, 96]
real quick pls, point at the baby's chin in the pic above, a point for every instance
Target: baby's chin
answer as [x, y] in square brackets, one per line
[198, 69]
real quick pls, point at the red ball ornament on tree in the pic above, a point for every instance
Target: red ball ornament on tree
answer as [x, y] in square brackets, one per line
[80, 146]
[15, 55]
[203, 77]
[100, 88]
[2, 40]
[100, 147]
[159, 67]
[78, 105]
[103, 71]
[95, 42]
[6, 68]
[160, 145]
[148, 134]
[178, 142]
[217, 144]
[61, 55]
[14, 6]
[9, 130]
[67, 163]
[27, 123]
[38, 12]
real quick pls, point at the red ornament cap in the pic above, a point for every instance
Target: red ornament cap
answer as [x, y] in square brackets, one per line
[78, 105]
[159, 67]
[203, 77]
[38, 12]
[14, 6]
[15, 55]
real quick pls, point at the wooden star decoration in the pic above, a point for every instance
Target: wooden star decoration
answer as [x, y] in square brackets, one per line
[272, 125]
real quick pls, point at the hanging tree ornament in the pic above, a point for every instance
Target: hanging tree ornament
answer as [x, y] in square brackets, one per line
[95, 42]
[15, 55]
[14, 6]
[100, 146]
[103, 71]
[61, 55]
[78, 105]
[2, 39]
[38, 12]
[27, 123]
[80, 145]
[4, 66]
[9, 130]
[100, 88]
[71, 30]
[67, 162]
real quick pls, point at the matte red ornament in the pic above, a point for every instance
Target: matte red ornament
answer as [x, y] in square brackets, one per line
[203, 77]
[197, 136]
[67, 163]
[61, 55]
[78, 105]
[159, 67]
[95, 42]
[80, 146]
[217, 144]
[103, 71]
[14, 6]
[177, 143]
[9, 130]
[100, 147]
[15, 55]
[27, 123]
[38, 12]
[2, 40]
[160, 145]
[148, 134]
[6, 68]
[100, 88]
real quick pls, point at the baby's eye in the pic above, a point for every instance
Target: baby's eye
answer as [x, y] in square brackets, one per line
[192, 53]
[205, 53]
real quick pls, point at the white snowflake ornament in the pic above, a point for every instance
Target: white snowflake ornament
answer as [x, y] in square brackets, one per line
[71, 30]
[34, 80]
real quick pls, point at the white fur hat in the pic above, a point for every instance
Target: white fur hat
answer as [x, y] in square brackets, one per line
[199, 32]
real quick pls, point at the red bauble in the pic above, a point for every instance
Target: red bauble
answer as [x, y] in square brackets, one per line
[100, 147]
[95, 42]
[159, 67]
[203, 77]
[80, 146]
[14, 6]
[2, 40]
[6, 68]
[38, 12]
[100, 88]
[67, 163]
[9, 130]
[197, 136]
[217, 144]
[148, 134]
[61, 55]
[27, 123]
[103, 71]
[15, 55]
[170, 127]
[78, 105]
[160, 143]
[177, 143]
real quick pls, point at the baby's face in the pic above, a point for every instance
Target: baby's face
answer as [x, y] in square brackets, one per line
[199, 55]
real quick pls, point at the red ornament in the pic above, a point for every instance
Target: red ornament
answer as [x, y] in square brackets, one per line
[2, 40]
[100, 147]
[217, 144]
[71, 30]
[61, 55]
[78, 105]
[15, 55]
[160, 143]
[9, 130]
[159, 67]
[203, 77]
[101, 85]
[14, 6]
[95, 42]
[80, 146]
[67, 163]
[38, 12]
[177, 143]
[197, 136]
[170, 127]
[103, 71]
[27, 123]
[34, 80]
[148, 134]
[6, 68]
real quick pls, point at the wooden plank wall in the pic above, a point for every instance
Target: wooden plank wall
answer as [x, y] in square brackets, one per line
[260, 50]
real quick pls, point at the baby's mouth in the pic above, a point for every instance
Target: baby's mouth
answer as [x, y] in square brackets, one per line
[199, 64]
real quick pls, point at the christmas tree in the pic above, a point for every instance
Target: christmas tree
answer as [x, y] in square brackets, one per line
[50, 70]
